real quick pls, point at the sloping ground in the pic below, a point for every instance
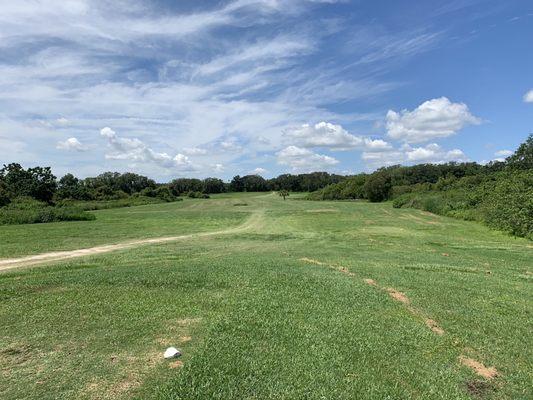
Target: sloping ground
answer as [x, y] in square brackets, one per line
[362, 302]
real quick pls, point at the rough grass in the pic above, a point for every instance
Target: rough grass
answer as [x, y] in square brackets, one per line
[255, 321]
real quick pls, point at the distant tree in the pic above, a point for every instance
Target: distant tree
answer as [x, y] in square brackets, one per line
[37, 182]
[254, 183]
[236, 184]
[378, 186]
[284, 193]
[70, 187]
[523, 156]
[185, 185]
[213, 185]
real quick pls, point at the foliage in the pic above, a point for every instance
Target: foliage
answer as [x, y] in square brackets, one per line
[37, 182]
[197, 195]
[284, 193]
[508, 203]
[523, 156]
[161, 192]
[26, 210]
[378, 186]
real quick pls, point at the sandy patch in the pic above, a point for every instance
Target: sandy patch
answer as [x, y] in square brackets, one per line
[176, 364]
[370, 282]
[432, 324]
[311, 261]
[398, 296]
[479, 368]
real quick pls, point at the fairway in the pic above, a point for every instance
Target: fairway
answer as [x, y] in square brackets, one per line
[267, 299]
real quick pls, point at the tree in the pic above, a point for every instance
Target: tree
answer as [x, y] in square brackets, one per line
[70, 187]
[37, 182]
[378, 186]
[213, 185]
[523, 156]
[284, 193]
[236, 184]
[185, 185]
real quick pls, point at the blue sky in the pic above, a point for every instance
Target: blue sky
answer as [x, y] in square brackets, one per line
[219, 88]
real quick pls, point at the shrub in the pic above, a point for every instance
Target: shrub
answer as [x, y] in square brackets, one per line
[30, 211]
[378, 186]
[508, 203]
[197, 195]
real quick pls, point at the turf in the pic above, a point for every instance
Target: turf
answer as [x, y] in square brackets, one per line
[254, 320]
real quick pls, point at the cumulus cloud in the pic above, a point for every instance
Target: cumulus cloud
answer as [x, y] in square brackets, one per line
[437, 118]
[258, 171]
[406, 154]
[71, 144]
[194, 151]
[62, 121]
[300, 159]
[503, 153]
[334, 137]
[136, 150]
[528, 97]
[218, 168]
[433, 153]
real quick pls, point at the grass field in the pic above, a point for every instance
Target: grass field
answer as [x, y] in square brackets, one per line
[309, 300]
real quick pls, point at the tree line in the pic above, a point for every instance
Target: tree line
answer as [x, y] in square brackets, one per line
[41, 184]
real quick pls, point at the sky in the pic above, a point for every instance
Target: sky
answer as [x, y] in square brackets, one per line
[174, 88]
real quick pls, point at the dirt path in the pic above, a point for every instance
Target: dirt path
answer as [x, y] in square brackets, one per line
[11, 263]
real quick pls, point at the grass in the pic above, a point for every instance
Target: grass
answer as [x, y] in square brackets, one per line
[254, 320]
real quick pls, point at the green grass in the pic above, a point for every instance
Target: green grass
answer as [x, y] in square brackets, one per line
[263, 324]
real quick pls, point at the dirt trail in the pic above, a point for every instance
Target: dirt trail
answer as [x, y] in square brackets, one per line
[11, 263]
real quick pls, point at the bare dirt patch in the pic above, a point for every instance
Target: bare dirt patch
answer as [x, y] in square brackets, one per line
[311, 261]
[480, 369]
[370, 282]
[398, 296]
[432, 324]
[175, 364]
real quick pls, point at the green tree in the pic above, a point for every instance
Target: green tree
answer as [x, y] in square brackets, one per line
[284, 193]
[523, 156]
[378, 186]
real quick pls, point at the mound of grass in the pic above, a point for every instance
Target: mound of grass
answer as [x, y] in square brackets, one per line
[29, 211]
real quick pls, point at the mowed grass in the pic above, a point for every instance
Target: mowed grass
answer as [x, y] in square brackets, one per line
[255, 321]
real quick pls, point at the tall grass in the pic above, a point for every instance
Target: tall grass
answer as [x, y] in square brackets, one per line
[29, 211]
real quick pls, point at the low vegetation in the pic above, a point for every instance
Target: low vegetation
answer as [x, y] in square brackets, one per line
[499, 194]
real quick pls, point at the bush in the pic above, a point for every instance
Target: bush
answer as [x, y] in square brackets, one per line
[378, 186]
[30, 211]
[508, 203]
[197, 195]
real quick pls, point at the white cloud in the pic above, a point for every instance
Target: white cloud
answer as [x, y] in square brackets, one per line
[62, 121]
[431, 153]
[302, 160]
[258, 171]
[503, 153]
[71, 144]
[528, 97]
[437, 118]
[434, 153]
[136, 150]
[218, 168]
[334, 137]
[194, 151]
